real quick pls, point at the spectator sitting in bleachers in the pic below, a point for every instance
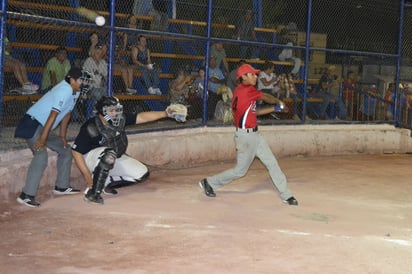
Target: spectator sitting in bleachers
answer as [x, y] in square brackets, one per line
[130, 39]
[122, 62]
[94, 41]
[332, 90]
[368, 103]
[388, 97]
[288, 54]
[216, 80]
[179, 87]
[331, 79]
[55, 70]
[289, 90]
[268, 81]
[218, 51]
[281, 86]
[140, 58]
[402, 103]
[19, 69]
[348, 93]
[98, 69]
[156, 9]
[245, 30]
[185, 91]
[318, 110]
[199, 82]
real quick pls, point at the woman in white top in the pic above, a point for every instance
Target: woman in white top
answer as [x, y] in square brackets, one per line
[267, 80]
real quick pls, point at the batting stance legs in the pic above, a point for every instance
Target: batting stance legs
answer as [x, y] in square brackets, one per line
[250, 145]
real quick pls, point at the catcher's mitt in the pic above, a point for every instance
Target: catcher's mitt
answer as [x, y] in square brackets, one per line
[177, 112]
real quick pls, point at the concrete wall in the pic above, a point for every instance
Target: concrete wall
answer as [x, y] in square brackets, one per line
[199, 145]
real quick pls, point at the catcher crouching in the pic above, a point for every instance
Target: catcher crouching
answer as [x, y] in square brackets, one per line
[99, 149]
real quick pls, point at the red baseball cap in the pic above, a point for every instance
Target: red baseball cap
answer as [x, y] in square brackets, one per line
[246, 68]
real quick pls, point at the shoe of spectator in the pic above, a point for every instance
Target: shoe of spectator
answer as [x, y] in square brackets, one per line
[30, 86]
[307, 118]
[291, 201]
[109, 191]
[152, 91]
[207, 188]
[275, 116]
[93, 198]
[65, 191]
[158, 91]
[27, 200]
[296, 117]
[131, 91]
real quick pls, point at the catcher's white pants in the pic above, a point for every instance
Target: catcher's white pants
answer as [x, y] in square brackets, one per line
[125, 168]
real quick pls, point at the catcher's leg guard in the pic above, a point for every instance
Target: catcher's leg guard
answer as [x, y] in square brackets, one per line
[100, 173]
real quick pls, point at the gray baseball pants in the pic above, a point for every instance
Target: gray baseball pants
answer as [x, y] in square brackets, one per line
[40, 159]
[250, 145]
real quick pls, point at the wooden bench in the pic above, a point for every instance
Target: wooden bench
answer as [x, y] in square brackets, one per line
[51, 7]
[20, 23]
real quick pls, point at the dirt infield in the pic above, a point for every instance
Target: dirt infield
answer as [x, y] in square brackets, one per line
[354, 216]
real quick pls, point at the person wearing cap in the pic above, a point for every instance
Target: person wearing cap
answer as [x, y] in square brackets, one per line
[249, 143]
[37, 127]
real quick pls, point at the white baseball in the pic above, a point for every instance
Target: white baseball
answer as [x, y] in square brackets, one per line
[100, 21]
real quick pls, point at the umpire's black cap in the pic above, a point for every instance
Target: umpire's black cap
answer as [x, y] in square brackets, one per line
[74, 73]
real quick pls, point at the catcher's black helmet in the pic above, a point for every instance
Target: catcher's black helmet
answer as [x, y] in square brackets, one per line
[106, 101]
[111, 109]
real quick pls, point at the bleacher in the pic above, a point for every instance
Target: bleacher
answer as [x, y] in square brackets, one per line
[40, 39]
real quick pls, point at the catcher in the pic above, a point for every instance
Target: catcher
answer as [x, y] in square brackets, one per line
[99, 149]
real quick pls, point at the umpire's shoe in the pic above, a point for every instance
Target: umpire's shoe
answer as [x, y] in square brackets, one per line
[65, 191]
[207, 188]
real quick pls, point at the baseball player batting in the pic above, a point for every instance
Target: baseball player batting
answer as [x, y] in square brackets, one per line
[249, 143]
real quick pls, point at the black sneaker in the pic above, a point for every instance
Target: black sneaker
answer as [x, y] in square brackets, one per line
[65, 191]
[109, 191]
[94, 198]
[27, 200]
[207, 188]
[291, 201]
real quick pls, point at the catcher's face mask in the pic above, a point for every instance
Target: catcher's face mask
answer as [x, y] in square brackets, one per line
[113, 114]
[86, 78]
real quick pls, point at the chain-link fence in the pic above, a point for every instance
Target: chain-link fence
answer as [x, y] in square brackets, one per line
[350, 69]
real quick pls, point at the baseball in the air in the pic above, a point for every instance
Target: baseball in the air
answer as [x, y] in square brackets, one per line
[100, 21]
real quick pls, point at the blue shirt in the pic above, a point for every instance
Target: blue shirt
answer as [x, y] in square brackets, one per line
[402, 102]
[368, 105]
[60, 99]
[216, 73]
